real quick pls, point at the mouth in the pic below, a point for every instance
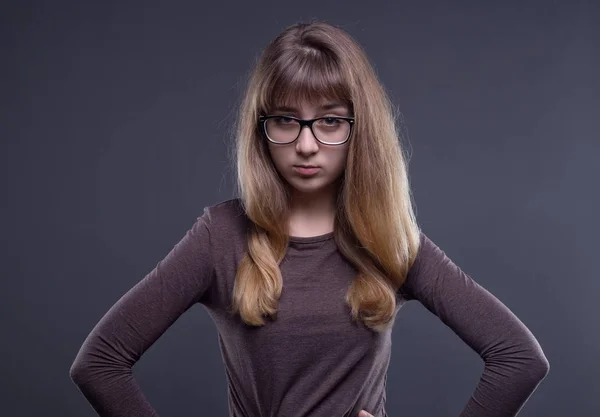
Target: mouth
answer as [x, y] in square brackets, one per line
[306, 170]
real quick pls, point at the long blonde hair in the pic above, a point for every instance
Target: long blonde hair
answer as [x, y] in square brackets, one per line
[375, 227]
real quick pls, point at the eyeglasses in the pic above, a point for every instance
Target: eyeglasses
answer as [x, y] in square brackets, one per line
[329, 130]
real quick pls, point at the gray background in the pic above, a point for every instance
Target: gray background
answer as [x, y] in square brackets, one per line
[115, 127]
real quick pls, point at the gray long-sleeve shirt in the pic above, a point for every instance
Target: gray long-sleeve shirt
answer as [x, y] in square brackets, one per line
[313, 360]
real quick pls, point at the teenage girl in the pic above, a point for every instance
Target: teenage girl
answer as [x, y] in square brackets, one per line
[305, 271]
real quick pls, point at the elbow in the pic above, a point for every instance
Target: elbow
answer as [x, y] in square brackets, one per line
[535, 365]
[78, 372]
[532, 368]
[524, 363]
[90, 364]
[539, 366]
[533, 373]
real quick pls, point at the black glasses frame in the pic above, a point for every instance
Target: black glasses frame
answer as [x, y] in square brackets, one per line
[263, 127]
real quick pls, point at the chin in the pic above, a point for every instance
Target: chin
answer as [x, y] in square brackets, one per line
[310, 186]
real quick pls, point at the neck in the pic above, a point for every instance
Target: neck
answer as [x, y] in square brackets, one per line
[312, 214]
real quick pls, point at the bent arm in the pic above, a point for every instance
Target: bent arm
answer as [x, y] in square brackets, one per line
[102, 369]
[514, 361]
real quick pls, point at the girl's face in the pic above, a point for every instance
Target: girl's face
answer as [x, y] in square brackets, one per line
[330, 160]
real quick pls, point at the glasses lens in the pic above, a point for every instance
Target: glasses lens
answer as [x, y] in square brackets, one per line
[282, 129]
[330, 130]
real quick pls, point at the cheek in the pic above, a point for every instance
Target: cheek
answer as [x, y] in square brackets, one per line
[341, 160]
[278, 156]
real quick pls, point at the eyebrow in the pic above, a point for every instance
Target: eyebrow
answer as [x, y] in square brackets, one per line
[326, 106]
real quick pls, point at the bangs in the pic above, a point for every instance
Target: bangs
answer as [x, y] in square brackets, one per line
[309, 76]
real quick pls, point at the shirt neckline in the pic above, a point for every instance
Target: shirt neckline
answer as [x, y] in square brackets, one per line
[311, 239]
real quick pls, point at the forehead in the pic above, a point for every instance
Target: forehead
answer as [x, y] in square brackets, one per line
[322, 105]
[311, 90]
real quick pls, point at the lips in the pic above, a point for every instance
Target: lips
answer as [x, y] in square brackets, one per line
[305, 170]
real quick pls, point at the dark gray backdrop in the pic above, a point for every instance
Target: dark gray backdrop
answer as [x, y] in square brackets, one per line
[115, 123]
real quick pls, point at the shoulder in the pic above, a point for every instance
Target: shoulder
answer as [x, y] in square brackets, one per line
[225, 217]
[430, 263]
[230, 208]
[429, 255]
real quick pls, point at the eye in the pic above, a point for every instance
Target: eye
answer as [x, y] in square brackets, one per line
[330, 121]
[282, 120]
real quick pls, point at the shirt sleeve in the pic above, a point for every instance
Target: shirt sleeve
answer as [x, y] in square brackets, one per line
[514, 363]
[102, 369]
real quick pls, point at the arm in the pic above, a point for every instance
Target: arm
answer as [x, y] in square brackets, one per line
[514, 361]
[102, 369]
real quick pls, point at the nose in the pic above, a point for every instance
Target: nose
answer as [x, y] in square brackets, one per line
[306, 142]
